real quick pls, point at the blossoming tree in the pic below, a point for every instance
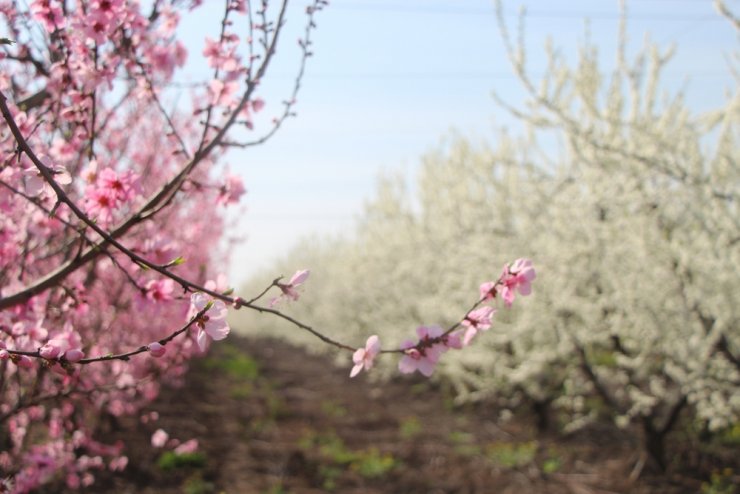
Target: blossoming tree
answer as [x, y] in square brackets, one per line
[110, 212]
[110, 234]
[634, 223]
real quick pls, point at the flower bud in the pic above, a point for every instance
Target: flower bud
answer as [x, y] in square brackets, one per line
[156, 349]
[74, 355]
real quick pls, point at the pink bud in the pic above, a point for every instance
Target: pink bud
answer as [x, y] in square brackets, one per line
[4, 355]
[74, 355]
[49, 352]
[24, 362]
[159, 438]
[156, 349]
[190, 446]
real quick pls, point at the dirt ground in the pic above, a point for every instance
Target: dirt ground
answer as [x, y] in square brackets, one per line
[272, 419]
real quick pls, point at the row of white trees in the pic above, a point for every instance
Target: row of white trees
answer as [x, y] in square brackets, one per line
[634, 227]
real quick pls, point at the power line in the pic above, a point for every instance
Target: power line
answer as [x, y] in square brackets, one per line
[481, 75]
[534, 14]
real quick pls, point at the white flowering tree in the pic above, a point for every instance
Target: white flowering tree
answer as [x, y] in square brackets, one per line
[634, 225]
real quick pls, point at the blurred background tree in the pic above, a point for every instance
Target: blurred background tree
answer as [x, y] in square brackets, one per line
[626, 200]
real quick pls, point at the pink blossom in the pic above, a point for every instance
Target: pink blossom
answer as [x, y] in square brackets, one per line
[453, 340]
[231, 191]
[156, 349]
[477, 320]
[107, 7]
[518, 276]
[159, 290]
[220, 284]
[37, 185]
[423, 355]
[187, 447]
[239, 5]
[223, 93]
[118, 464]
[90, 172]
[211, 324]
[289, 289]
[96, 27]
[363, 357]
[49, 13]
[169, 21]
[99, 204]
[121, 187]
[414, 360]
[159, 438]
[212, 51]
[24, 362]
[487, 290]
[54, 348]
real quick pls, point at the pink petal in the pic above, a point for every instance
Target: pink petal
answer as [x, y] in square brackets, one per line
[359, 356]
[218, 310]
[202, 340]
[74, 355]
[372, 346]
[218, 330]
[426, 367]
[407, 364]
[355, 370]
[199, 300]
[469, 335]
[299, 277]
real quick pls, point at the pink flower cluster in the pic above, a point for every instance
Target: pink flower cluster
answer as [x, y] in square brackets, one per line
[432, 342]
[517, 276]
[109, 192]
[161, 439]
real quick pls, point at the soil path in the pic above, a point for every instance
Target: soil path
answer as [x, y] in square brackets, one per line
[271, 418]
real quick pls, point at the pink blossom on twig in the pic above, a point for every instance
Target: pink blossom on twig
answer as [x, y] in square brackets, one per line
[364, 357]
[213, 323]
[289, 289]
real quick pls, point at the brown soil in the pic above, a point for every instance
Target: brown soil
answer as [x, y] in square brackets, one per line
[270, 418]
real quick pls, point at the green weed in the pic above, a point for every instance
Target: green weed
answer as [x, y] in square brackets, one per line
[169, 460]
[464, 443]
[333, 409]
[277, 489]
[721, 482]
[512, 455]
[369, 463]
[235, 364]
[410, 427]
[196, 485]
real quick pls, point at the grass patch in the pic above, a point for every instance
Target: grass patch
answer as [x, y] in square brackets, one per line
[196, 485]
[721, 482]
[410, 427]
[369, 463]
[463, 443]
[333, 409]
[234, 363]
[169, 460]
[512, 455]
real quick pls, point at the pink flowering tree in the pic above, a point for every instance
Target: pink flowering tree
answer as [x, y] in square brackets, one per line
[111, 222]
[110, 279]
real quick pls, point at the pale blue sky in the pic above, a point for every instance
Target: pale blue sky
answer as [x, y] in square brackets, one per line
[389, 79]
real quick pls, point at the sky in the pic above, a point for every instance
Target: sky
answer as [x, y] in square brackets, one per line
[390, 79]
